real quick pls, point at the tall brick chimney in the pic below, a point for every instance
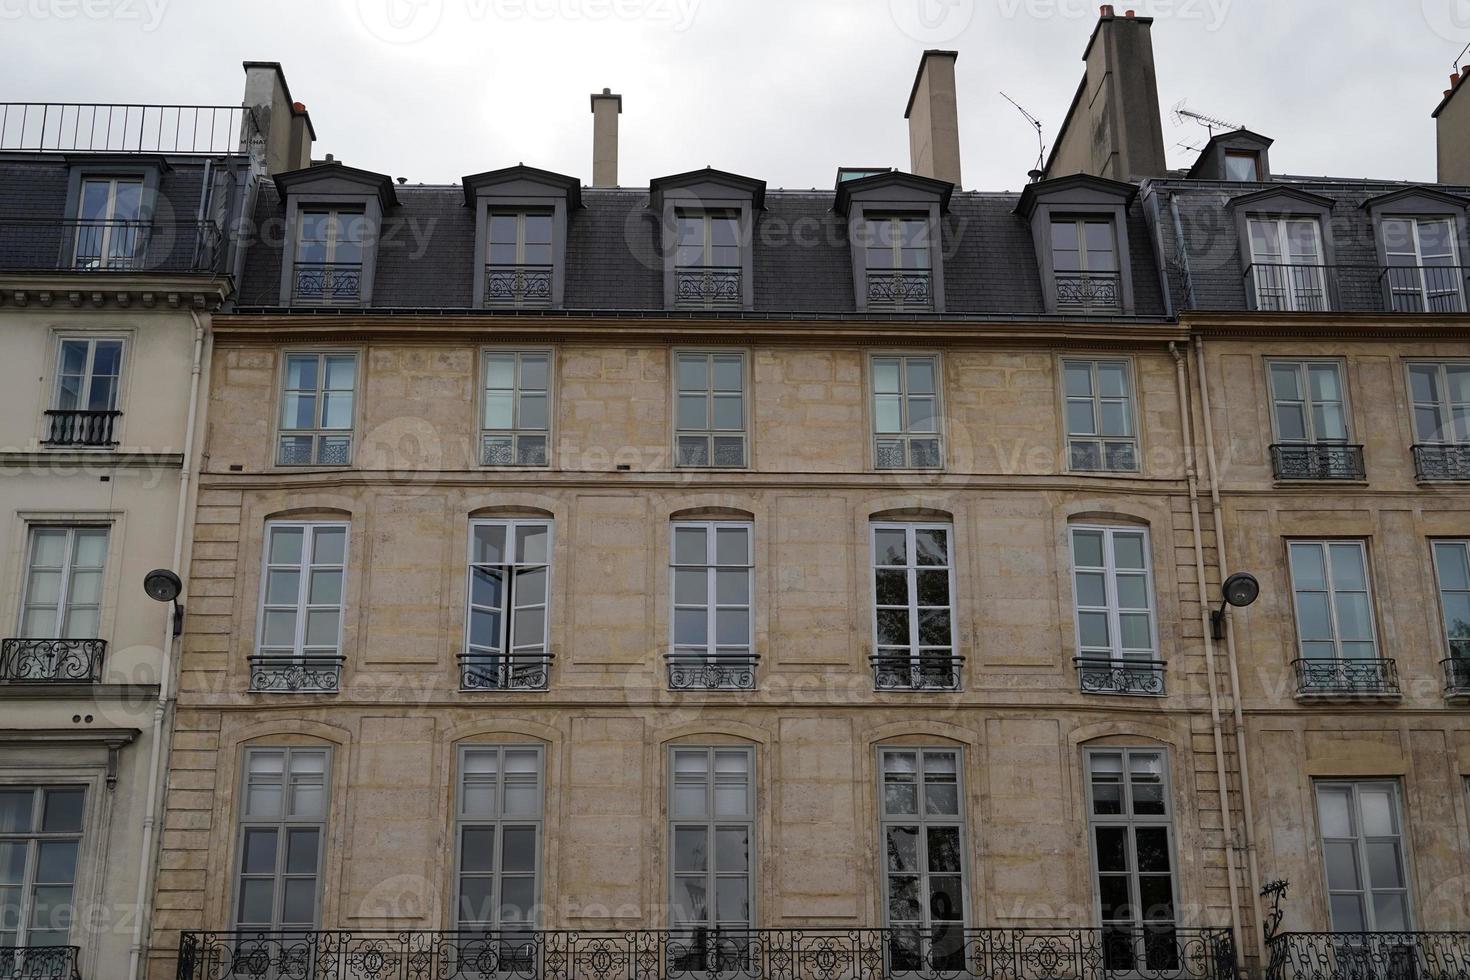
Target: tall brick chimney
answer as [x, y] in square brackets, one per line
[606, 107]
[1452, 131]
[285, 125]
[1113, 128]
[934, 119]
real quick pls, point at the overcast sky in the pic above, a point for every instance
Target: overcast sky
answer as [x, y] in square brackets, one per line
[784, 90]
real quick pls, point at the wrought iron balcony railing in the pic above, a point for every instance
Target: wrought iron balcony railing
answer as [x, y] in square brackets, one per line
[1456, 677]
[504, 671]
[332, 283]
[518, 285]
[1315, 288]
[709, 287]
[924, 672]
[1368, 956]
[948, 952]
[900, 290]
[1375, 678]
[79, 127]
[1290, 287]
[1100, 675]
[26, 660]
[39, 963]
[1425, 288]
[1441, 461]
[295, 675]
[713, 672]
[80, 428]
[1089, 292]
[44, 245]
[1317, 461]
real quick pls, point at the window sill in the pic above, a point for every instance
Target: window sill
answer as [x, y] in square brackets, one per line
[1346, 697]
[1317, 481]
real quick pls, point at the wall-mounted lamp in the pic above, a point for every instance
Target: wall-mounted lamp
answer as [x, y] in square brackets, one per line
[1240, 589]
[163, 585]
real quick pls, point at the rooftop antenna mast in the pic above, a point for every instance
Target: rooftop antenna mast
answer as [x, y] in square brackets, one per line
[1210, 123]
[1036, 171]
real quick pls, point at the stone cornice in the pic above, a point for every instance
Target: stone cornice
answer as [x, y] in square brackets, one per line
[1327, 326]
[143, 290]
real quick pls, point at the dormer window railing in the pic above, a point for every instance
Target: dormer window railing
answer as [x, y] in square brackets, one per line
[1085, 265]
[518, 267]
[707, 263]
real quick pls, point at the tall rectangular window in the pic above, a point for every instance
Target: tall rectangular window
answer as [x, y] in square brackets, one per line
[1363, 848]
[40, 837]
[518, 269]
[707, 260]
[1452, 572]
[299, 636]
[1440, 393]
[913, 607]
[711, 571]
[327, 267]
[921, 821]
[906, 412]
[508, 595]
[63, 583]
[1084, 258]
[1424, 273]
[1101, 432]
[1307, 401]
[1334, 608]
[111, 233]
[1130, 821]
[712, 859]
[317, 399]
[498, 836]
[1113, 591]
[87, 374]
[711, 409]
[1286, 264]
[898, 260]
[283, 820]
[517, 408]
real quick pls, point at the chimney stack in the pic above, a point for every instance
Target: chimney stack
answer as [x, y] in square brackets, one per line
[283, 124]
[1452, 132]
[606, 107]
[934, 119]
[1114, 128]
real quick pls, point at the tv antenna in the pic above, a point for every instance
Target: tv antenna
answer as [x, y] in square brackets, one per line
[1036, 171]
[1210, 123]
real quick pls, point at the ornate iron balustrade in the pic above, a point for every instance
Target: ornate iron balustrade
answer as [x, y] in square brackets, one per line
[1441, 462]
[1317, 461]
[296, 675]
[46, 661]
[714, 672]
[504, 671]
[80, 428]
[1425, 288]
[518, 285]
[1089, 292]
[1456, 677]
[119, 128]
[1099, 675]
[943, 953]
[1291, 287]
[900, 289]
[95, 246]
[1368, 956]
[326, 282]
[39, 963]
[924, 672]
[711, 287]
[1345, 678]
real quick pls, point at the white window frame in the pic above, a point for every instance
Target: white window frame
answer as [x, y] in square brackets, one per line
[710, 823]
[921, 656]
[283, 823]
[302, 606]
[518, 430]
[1331, 591]
[498, 822]
[508, 651]
[710, 435]
[1420, 262]
[91, 340]
[1303, 367]
[1360, 842]
[1444, 404]
[136, 236]
[906, 434]
[32, 841]
[319, 431]
[712, 651]
[1277, 265]
[67, 569]
[519, 270]
[1112, 609]
[1097, 400]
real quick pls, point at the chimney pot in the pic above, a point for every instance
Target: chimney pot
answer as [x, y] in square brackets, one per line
[933, 115]
[1454, 79]
[1106, 10]
[299, 106]
[1130, 13]
[606, 107]
[330, 158]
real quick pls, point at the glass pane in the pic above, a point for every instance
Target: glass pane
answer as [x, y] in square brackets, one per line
[326, 587]
[690, 546]
[886, 375]
[931, 546]
[518, 849]
[1112, 379]
[63, 811]
[1112, 849]
[732, 587]
[1087, 549]
[933, 586]
[1390, 912]
[1307, 570]
[1385, 869]
[256, 897]
[1152, 844]
[1347, 913]
[1377, 811]
[285, 547]
[732, 849]
[690, 849]
[890, 546]
[1128, 551]
[919, 373]
[1334, 812]
[903, 898]
[56, 862]
[301, 852]
[298, 902]
[321, 628]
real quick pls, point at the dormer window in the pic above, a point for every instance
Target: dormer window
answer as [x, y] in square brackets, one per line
[707, 260]
[1286, 264]
[519, 267]
[897, 259]
[1084, 254]
[111, 234]
[328, 264]
[1423, 265]
[1242, 165]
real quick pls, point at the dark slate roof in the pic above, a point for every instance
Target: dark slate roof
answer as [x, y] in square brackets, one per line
[1206, 271]
[802, 262]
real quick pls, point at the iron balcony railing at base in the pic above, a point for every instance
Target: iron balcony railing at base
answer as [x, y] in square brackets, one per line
[518, 285]
[711, 672]
[1099, 675]
[924, 672]
[80, 428]
[31, 660]
[709, 287]
[1456, 677]
[96, 246]
[1371, 678]
[329, 283]
[1368, 956]
[504, 672]
[948, 952]
[1441, 462]
[900, 291]
[39, 963]
[1089, 292]
[1317, 461]
[271, 673]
